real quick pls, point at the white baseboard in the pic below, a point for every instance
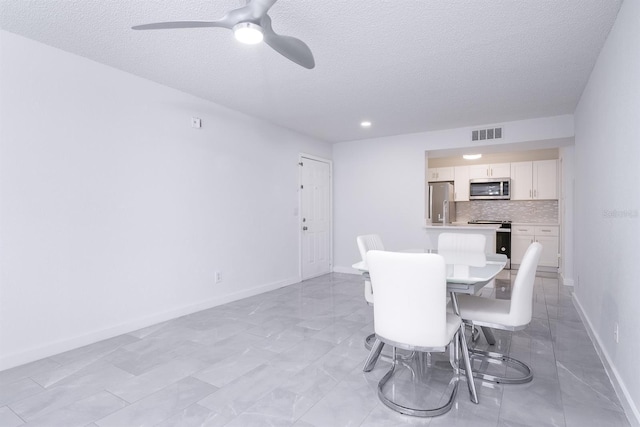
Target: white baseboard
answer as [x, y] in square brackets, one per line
[565, 281]
[33, 354]
[347, 270]
[630, 409]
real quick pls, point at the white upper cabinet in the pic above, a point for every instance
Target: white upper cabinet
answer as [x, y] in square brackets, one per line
[496, 170]
[545, 179]
[534, 180]
[461, 184]
[441, 174]
[522, 181]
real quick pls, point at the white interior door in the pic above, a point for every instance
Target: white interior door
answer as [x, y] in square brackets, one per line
[315, 216]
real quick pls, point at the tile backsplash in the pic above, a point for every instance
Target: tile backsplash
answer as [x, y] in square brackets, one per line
[517, 211]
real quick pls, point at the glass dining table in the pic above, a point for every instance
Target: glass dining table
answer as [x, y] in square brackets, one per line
[460, 279]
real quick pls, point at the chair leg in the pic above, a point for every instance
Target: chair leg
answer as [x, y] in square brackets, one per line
[371, 339]
[374, 354]
[467, 366]
[475, 334]
[414, 411]
[487, 332]
[488, 335]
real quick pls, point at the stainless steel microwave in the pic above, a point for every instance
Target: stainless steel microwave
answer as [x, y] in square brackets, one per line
[490, 189]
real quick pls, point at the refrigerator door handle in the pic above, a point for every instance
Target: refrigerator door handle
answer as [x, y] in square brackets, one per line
[445, 212]
[430, 201]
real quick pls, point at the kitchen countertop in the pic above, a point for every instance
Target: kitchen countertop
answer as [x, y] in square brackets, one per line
[543, 224]
[463, 226]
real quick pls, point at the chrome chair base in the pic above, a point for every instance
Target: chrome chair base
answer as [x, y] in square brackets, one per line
[374, 354]
[491, 357]
[369, 341]
[375, 348]
[431, 412]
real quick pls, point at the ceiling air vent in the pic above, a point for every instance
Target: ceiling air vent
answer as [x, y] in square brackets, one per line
[485, 134]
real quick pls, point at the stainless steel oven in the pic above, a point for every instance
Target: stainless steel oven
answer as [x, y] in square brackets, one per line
[503, 237]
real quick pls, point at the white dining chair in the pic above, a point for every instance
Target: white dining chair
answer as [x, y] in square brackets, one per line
[510, 315]
[367, 243]
[463, 250]
[410, 313]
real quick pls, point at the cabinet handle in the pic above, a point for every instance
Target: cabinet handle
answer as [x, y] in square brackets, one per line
[530, 195]
[535, 194]
[547, 231]
[491, 174]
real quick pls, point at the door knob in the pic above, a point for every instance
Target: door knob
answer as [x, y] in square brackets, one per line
[305, 228]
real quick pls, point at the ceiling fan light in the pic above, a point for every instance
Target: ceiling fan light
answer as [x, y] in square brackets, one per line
[248, 33]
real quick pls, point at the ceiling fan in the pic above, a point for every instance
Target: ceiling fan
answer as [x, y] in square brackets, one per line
[250, 24]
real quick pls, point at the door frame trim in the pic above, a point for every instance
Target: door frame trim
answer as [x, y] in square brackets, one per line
[301, 158]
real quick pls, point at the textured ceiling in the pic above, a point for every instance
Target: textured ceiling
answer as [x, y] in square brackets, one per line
[406, 65]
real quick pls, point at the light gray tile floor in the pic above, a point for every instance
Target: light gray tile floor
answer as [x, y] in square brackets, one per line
[293, 357]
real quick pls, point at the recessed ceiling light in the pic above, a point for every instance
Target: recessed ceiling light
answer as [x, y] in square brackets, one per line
[365, 124]
[248, 33]
[471, 156]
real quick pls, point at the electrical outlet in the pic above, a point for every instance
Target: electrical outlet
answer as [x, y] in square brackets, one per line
[616, 333]
[218, 277]
[196, 122]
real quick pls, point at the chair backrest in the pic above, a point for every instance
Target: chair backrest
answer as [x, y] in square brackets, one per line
[369, 242]
[411, 292]
[521, 308]
[463, 249]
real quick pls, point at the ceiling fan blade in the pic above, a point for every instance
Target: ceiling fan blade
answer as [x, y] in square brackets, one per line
[255, 11]
[290, 47]
[181, 24]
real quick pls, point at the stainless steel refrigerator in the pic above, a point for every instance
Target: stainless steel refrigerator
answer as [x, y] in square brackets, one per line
[441, 209]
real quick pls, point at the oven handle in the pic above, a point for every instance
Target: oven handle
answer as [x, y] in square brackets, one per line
[503, 230]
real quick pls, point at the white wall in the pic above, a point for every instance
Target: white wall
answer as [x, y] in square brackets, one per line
[380, 182]
[567, 200]
[607, 211]
[115, 213]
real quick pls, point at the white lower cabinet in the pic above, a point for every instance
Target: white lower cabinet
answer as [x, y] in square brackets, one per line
[523, 235]
[519, 245]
